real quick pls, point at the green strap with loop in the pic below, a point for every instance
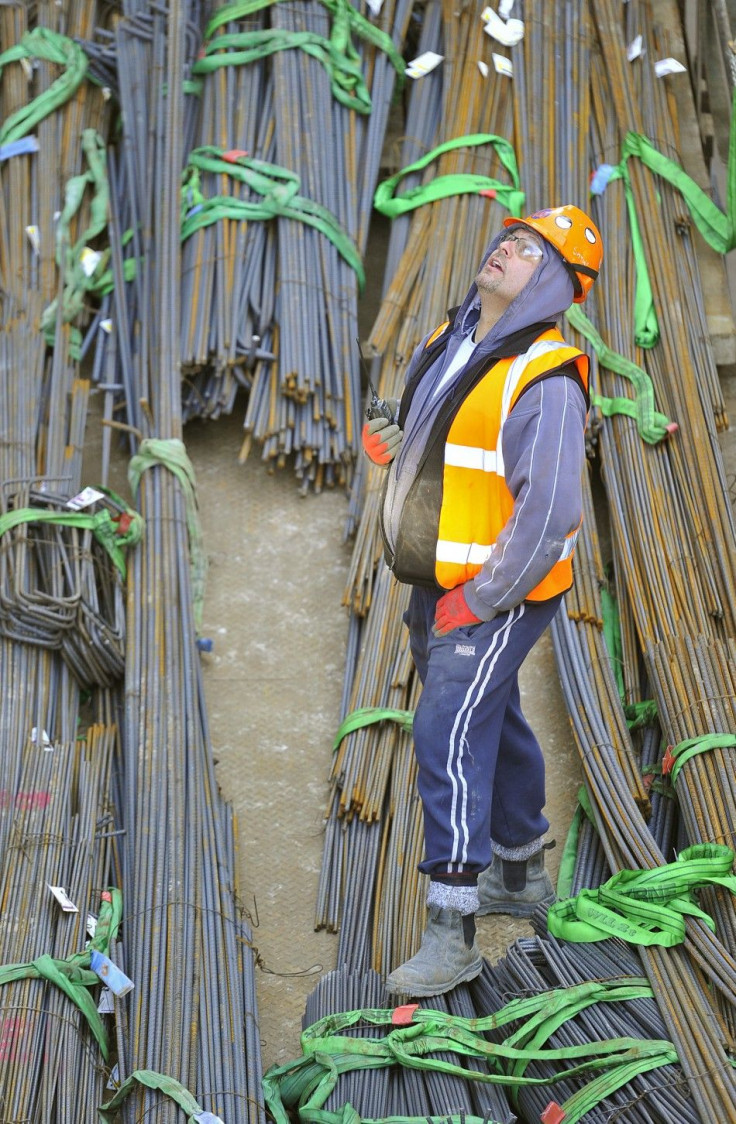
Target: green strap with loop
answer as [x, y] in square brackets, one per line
[358, 23]
[717, 228]
[646, 325]
[645, 907]
[367, 715]
[79, 281]
[278, 188]
[441, 187]
[337, 54]
[172, 454]
[612, 637]
[341, 62]
[653, 426]
[568, 859]
[422, 1038]
[43, 43]
[160, 1083]
[637, 714]
[677, 755]
[106, 528]
[74, 976]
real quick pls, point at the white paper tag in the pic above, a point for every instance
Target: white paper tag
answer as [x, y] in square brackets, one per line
[91, 924]
[84, 498]
[63, 898]
[114, 1078]
[668, 66]
[89, 260]
[422, 64]
[106, 325]
[45, 739]
[509, 33]
[34, 238]
[106, 1006]
[504, 8]
[483, 68]
[503, 65]
[634, 48]
[375, 6]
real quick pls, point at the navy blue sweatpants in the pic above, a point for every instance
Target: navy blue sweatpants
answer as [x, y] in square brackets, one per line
[480, 767]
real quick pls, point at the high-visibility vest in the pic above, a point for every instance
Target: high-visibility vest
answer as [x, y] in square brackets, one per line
[476, 502]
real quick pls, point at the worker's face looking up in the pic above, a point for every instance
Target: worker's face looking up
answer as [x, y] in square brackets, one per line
[510, 266]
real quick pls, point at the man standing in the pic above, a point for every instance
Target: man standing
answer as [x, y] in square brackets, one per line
[480, 514]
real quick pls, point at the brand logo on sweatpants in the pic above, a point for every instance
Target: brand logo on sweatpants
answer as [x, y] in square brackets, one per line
[465, 649]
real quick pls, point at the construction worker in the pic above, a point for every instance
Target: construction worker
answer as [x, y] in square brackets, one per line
[480, 514]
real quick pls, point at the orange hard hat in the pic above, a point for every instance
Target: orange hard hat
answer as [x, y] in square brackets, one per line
[576, 238]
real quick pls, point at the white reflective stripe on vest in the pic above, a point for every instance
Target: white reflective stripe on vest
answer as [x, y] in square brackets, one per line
[569, 545]
[541, 347]
[469, 456]
[515, 371]
[462, 553]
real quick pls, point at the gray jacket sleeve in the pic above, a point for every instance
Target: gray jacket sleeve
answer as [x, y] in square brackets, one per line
[543, 444]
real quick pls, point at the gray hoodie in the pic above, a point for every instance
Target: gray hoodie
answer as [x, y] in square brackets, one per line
[550, 418]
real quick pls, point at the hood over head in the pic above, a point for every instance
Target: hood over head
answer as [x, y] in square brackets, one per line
[548, 293]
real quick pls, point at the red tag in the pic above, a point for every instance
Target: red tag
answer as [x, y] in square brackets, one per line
[106, 896]
[668, 761]
[672, 427]
[123, 522]
[404, 1016]
[490, 193]
[552, 1114]
[233, 155]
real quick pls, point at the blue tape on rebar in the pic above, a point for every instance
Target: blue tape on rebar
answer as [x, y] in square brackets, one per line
[600, 178]
[21, 147]
[110, 974]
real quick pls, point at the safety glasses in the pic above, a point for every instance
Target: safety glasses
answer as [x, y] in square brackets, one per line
[526, 248]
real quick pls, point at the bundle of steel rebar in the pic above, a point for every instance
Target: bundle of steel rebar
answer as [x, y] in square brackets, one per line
[52, 815]
[672, 560]
[535, 965]
[56, 823]
[59, 594]
[589, 994]
[402, 1091]
[192, 1016]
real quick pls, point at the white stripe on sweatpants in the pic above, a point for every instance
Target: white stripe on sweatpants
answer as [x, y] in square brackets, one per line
[459, 805]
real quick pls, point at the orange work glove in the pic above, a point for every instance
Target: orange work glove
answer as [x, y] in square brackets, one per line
[452, 611]
[381, 440]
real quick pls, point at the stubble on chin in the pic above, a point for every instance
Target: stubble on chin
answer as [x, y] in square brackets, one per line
[487, 282]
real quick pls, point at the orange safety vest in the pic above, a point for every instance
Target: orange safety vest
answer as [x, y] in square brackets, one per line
[476, 502]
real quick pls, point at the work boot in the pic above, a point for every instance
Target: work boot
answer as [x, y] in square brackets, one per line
[515, 887]
[448, 956]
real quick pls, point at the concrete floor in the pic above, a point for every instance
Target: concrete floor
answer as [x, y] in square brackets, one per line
[278, 567]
